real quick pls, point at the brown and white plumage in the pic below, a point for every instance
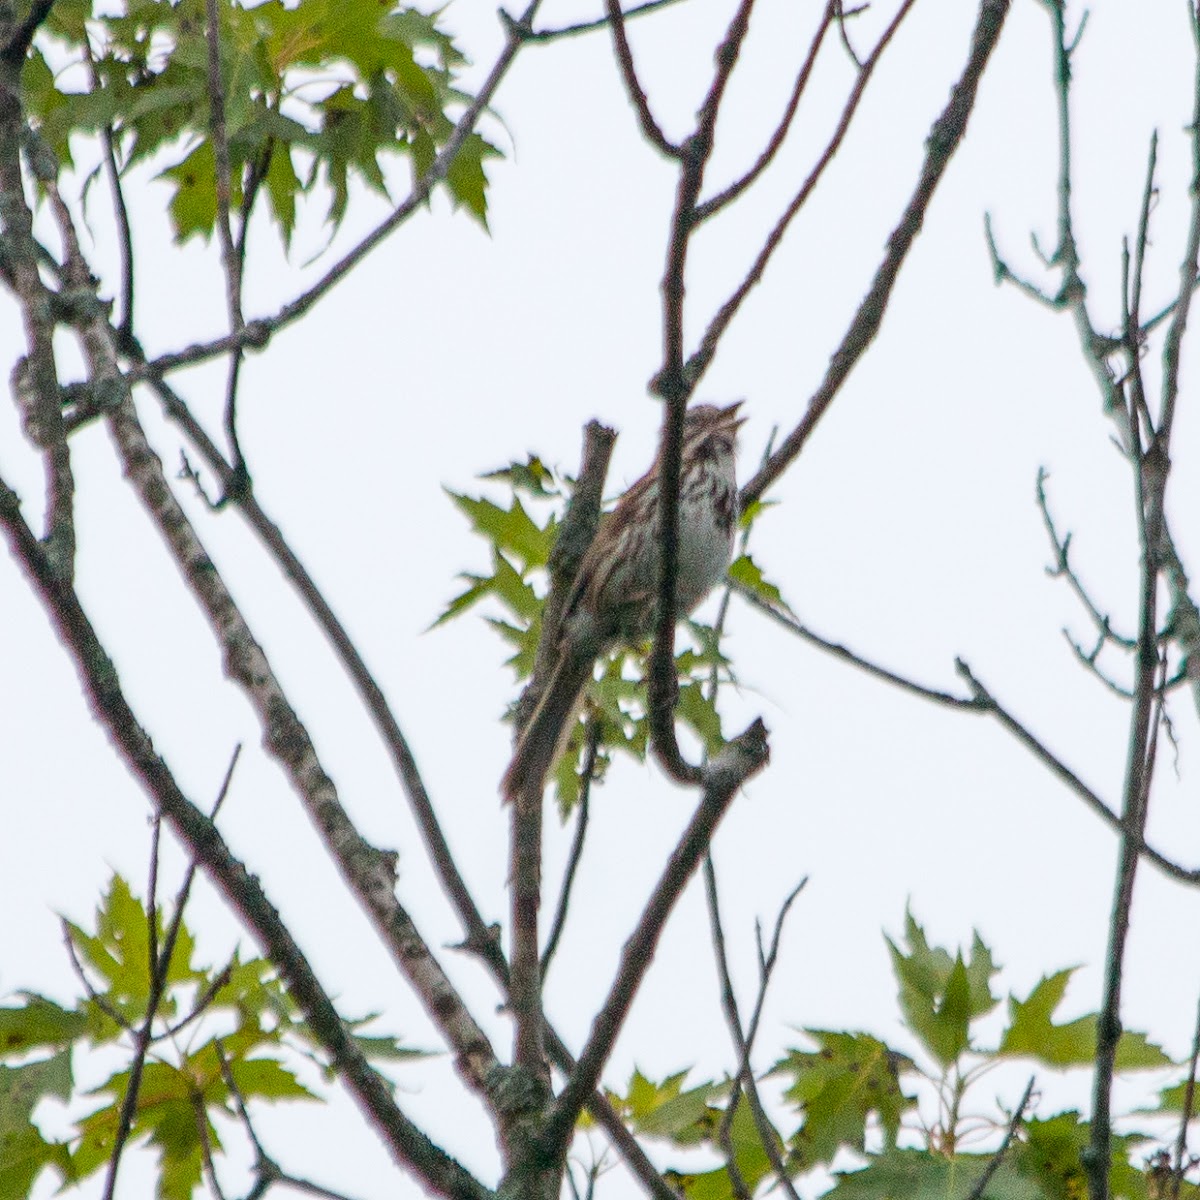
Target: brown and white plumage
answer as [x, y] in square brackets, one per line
[615, 592]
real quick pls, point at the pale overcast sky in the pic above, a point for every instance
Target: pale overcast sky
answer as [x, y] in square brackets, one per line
[907, 530]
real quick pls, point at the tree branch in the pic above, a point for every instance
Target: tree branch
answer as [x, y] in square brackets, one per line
[242, 891]
[724, 776]
[637, 97]
[34, 380]
[259, 331]
[673, 385]
[944, 139]
[743, 1037]
[576, 853]
[566, 31]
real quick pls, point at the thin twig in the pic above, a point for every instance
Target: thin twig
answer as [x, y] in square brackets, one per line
[714, 204]
[591, 745]
[231, 260]
[566, 31]
[728, 771]
[633, 87]
[976, 1193]
[1185, 1119]
[945, 136]
[674, 386]
[115, 1015]
[842, 14]
[241, 890]
[790, 623]
[709, 343]
[1173, 342]
[989, 704]
[259, 331]
[1063, 569]
[743, 1037]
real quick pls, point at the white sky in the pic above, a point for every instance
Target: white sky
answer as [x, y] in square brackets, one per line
[907, 529]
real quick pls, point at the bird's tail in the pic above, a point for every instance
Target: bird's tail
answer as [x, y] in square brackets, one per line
[544, 733]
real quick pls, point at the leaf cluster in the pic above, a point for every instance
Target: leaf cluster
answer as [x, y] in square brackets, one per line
[908, 1118]
[319, 91]
[520, 530]
[218, 1037]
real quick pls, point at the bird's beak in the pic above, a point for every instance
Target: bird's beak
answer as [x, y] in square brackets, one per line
[730, 413]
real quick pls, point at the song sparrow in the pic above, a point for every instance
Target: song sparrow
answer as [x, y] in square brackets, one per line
[615, 592]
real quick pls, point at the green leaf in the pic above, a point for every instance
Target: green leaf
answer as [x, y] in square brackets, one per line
[193, 207]
[24, 1154]
[748, 1155]
[466, 178]
[268, 1079]
[940, 995]
[748, 573]
[837, 1087]
[666, 1110]
[922, 1175]
[283, 185]
[531, 476]
[1032, 1033]
[22, 1088]
[1049, 1154]
[38, 1022]
[510, 529]
[699, 713]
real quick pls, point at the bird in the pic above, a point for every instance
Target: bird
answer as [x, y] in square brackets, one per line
[613, 599]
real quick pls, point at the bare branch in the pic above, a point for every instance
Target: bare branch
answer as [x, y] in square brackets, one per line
[674, 386]
[944, 138]
[727, 772]
[591, 745]
[743, 1038]
[846, 655]
[727, 195]
[525, 872]
[1173, 343]
[989, 704]
[706, 352]
[1062, 568]
[479, 935]
[257, 332]
[976, 1193]
[633, 87]
[566, 31]
[242, 891]
[34, 379]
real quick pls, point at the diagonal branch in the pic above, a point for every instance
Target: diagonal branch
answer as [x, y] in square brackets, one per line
[728, 195]
[944, 139]
[478, 934]
[259, 331]
[34, 380]
[369, 872]
[580, 27]
[744, 1036]
[242, 890]
[725, 775]
[706, 351]
[637, 96]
